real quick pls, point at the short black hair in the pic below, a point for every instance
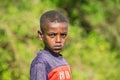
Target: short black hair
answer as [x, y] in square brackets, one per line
[52, 16]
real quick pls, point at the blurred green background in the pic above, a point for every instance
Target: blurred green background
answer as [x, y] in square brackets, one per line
[92, 48]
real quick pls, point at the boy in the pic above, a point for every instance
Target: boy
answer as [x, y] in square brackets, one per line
[49, 63]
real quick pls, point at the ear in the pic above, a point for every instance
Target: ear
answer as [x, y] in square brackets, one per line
[40, 35]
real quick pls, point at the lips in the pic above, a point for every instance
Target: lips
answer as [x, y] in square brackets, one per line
[58, 47]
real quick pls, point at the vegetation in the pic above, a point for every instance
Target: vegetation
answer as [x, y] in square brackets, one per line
[93, 45]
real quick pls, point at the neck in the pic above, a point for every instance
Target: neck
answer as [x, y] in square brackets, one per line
[54, 54]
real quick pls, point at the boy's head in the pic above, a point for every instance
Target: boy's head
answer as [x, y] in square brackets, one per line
[54, 28]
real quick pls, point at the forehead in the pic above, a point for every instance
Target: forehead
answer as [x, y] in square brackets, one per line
[56, 26]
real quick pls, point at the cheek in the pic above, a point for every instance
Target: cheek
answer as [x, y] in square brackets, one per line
[64, 40]
[50, 41]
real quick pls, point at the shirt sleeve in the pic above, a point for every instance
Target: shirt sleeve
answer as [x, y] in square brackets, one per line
[38, 72]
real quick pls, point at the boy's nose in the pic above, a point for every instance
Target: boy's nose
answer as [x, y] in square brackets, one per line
[58, 39]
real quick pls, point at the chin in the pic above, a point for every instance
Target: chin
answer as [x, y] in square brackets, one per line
[57, 52]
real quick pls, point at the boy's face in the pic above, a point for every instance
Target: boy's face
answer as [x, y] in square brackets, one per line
[54, 36]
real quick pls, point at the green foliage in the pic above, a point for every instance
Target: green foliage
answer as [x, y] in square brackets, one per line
[95, 15]
[92, 49]
[90, 57]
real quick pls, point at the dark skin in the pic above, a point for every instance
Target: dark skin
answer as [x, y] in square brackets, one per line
[54, 36]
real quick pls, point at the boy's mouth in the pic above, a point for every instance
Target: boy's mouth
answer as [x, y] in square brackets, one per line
[58, 47]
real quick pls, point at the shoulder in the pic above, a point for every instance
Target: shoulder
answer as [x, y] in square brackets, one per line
[39, 59]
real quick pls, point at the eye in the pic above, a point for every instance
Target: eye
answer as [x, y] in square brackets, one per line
[63, 35]
[52, 35]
